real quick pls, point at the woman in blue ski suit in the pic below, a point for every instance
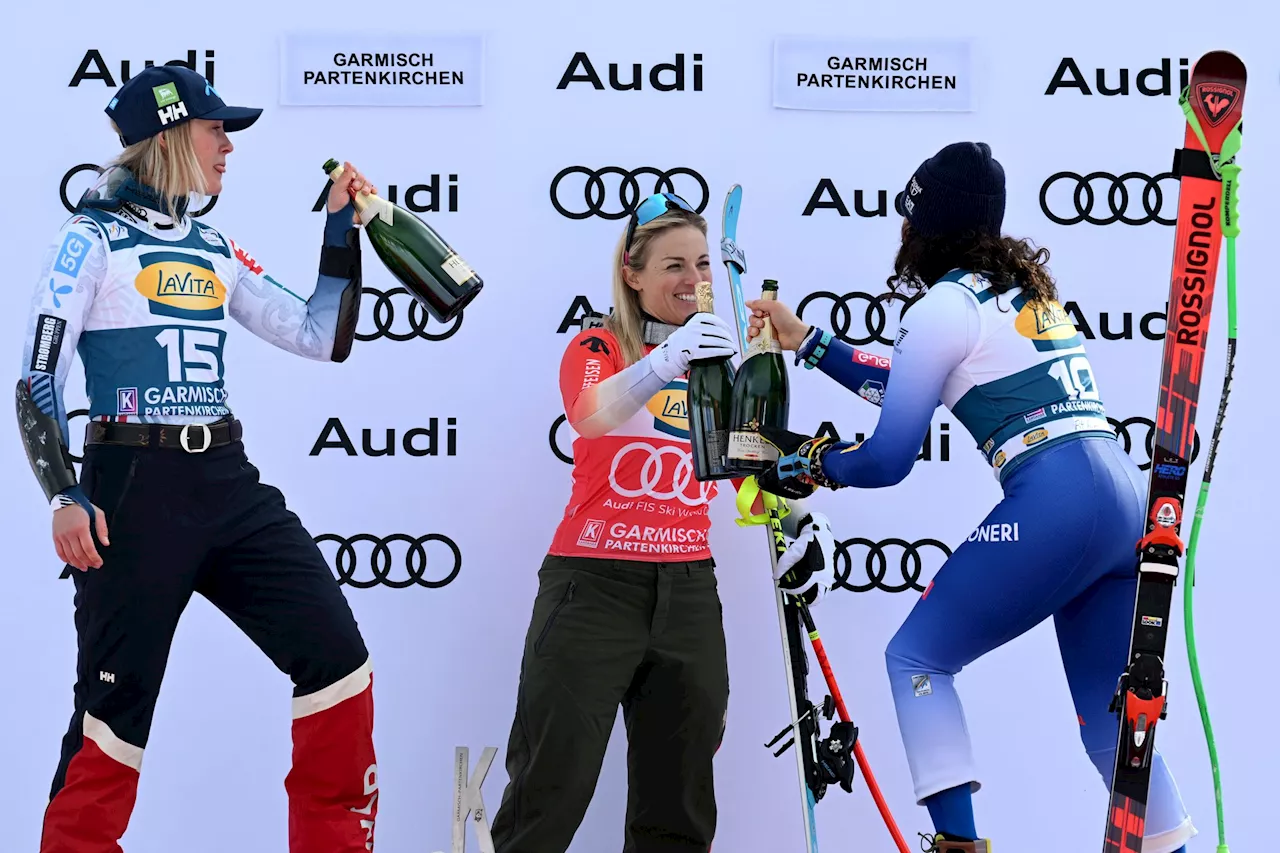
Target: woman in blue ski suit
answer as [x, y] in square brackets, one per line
[985, 336]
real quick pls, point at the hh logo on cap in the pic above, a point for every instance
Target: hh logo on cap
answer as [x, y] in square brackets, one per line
[171, 106]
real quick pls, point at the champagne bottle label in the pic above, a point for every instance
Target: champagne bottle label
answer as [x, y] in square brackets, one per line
[751, 447]
[374, 207]
[457, 268]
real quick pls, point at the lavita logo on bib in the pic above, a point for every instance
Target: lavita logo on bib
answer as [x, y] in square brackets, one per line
[181, 285]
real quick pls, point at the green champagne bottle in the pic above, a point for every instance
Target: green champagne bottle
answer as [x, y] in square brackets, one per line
[761, 397]
[415, 254]
[707, 403]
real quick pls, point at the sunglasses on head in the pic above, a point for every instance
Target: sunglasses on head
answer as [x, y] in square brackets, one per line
[648, 210]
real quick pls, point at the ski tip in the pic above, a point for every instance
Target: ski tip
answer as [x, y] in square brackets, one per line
[1220, 64]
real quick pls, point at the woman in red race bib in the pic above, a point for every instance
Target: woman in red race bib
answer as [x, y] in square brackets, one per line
[627, 611]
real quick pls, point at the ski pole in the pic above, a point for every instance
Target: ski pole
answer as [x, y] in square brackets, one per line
[779, 543]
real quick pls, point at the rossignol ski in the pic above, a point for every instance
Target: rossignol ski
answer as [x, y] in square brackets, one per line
[1212, 104]
[819, 761]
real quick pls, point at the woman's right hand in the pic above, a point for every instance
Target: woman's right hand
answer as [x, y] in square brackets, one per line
[71, 537]
[788, 329]
[702, 336]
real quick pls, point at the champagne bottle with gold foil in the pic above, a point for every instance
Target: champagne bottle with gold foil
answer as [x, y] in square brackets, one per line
[415, 254]
[708, 398]
[761, 397]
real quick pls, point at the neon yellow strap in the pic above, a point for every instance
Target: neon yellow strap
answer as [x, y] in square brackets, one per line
[747, 494]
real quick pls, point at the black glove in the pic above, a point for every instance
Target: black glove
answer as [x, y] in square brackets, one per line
[798, 471]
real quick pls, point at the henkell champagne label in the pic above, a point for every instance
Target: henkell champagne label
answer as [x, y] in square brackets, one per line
[751, 447]
[817, 73]
[401, 70]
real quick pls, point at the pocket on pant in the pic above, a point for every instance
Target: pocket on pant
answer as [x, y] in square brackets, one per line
[108, 478]
[565, 600]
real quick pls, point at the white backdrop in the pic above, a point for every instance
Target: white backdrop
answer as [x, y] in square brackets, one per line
[446, 659]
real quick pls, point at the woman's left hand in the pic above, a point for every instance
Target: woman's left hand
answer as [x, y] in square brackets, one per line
[348, 183]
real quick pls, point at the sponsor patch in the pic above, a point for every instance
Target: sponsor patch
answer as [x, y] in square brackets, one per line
[920, 685]
[591, 533]
[48, 345]
[126, 401]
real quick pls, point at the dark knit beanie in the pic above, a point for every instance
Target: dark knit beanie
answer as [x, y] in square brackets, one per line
[958, 189]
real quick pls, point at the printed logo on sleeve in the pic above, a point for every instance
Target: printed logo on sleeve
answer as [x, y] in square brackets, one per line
[870, 358]
[246, 259]
[116, 231]
[49, 332]
[213, 238]
[71, 255]
[920, 685]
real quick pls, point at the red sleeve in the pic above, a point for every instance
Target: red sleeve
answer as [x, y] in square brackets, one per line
[590, 358]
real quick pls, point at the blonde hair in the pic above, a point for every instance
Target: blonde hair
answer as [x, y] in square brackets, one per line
[172, 169]
[627, 320]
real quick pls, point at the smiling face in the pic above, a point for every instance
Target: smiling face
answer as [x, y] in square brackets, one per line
[211, 145]
[677, 260]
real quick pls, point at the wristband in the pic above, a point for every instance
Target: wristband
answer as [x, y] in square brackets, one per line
[819, 350]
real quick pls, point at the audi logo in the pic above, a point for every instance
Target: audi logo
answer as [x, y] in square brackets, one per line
[1077, 196]
[594, 194]
[398, 561]
[872, 314]
[1148, 444]
[382, 313]
[554, 438]
[876, 562]
[70, 205]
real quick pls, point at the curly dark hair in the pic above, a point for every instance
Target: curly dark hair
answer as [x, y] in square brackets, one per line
[1007, 262]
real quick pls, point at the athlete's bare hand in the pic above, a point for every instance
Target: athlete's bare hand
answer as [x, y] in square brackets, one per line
[71, 537]
[788, 329]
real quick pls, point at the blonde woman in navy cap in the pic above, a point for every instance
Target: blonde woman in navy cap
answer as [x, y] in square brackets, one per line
[985, 335]
[167, 503]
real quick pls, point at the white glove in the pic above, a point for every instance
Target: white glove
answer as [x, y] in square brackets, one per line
[704, 336]
[811, 558]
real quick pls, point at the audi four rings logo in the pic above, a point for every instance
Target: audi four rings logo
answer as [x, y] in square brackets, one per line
[909, 556]
[1132, 198]
[618, 196]
[398, 560]
[409, 322]
[869, 311]
[65, 188]
[666, 473]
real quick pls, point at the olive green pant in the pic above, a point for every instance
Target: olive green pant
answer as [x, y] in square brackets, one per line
[604, 633]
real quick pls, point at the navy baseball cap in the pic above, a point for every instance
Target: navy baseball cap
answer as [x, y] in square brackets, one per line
[165, 96]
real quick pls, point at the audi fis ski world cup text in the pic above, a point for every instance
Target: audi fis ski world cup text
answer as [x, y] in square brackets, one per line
[612, 192]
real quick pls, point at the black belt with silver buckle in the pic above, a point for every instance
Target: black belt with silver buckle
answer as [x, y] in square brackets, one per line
[193, 438]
